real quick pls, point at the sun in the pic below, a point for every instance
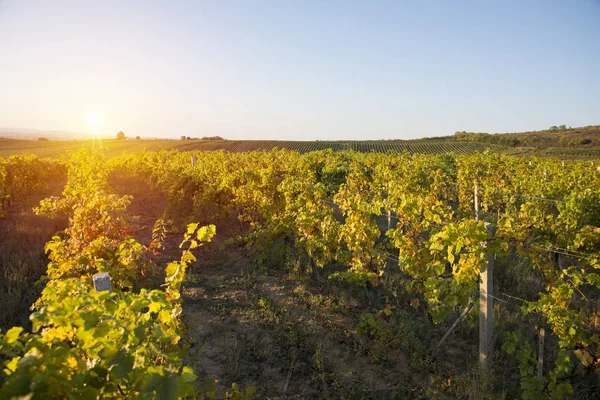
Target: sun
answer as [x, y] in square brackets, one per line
[94, 122]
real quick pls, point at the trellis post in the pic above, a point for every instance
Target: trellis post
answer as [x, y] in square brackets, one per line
[540, 375]
[486, 307]
[486, 293]
[476, 199]
[102, 282]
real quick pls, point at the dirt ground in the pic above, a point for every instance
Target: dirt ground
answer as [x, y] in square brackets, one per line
[22, 257]
[272, 326]
[290, 336]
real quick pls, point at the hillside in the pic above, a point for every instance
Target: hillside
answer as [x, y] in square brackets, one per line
[112, 147]
[587, 137]
[57, 148]
[562, 142]
[578, 143]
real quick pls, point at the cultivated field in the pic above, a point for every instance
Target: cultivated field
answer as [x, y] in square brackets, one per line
[572, 143]
[113, 147]
[318, 275]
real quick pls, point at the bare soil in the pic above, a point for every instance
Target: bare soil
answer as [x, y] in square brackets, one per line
[22, 257]
[275, 328]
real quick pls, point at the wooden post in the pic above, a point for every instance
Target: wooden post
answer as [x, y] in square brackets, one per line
[102, 282]
[460, 317]
[486, 308]
[545, 174]
[540, 375]
[389, 220]
[193, 160]
[476, 196]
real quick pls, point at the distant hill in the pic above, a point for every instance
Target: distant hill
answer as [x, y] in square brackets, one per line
[113, 147]
[560, 142]
[587, 136]
[33, 134]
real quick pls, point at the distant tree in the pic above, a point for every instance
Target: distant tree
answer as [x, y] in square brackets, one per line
[42, 139]
[189, 138]
[137, 138]
[212, 138]
[183, 138]
[553, 128]
[120, 135]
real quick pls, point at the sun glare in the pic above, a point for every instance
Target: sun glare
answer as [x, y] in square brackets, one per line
[95, 121]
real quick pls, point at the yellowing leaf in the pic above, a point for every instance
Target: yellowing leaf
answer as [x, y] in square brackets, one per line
[154, 306]
[206, 233]
[191, 228]
[164, 316]
[72, 362]
[584, 356]
[13, 334]
[450, 256]
[11, 366]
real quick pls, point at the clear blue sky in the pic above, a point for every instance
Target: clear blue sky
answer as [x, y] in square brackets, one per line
[299, 69]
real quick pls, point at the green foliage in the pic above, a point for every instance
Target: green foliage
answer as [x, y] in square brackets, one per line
[85, 344]
[533, 389]
[24, 175]
[503, 140]
[175, 271]
[556, 137]
[96, 239]
[98, 345]
[327, 204]
[330, 207]
[517, 345]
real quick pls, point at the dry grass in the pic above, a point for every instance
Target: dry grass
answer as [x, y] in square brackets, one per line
[22, 258]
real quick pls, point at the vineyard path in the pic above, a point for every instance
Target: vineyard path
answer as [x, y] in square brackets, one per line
[289, 336]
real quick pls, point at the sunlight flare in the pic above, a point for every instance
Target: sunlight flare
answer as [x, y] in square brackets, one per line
[95, 121]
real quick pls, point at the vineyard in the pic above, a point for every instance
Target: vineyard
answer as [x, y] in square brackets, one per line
[407, 234]
[119, 147]
[532, 146]
[377, 146]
